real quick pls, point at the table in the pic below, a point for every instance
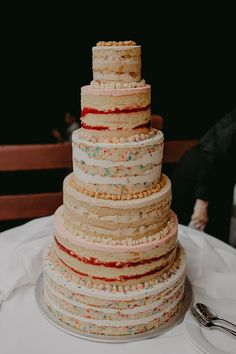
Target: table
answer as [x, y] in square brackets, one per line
[23, 329]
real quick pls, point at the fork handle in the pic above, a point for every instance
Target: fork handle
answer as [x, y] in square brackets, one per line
[228, 330]
[225, 321]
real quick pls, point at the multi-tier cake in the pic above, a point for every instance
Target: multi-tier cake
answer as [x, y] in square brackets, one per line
[115, 266]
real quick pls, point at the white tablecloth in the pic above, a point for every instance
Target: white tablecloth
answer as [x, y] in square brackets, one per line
[23, 329]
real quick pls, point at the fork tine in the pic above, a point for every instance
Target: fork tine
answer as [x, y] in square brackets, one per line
[194, 311]
[198, 320]
[198, 317]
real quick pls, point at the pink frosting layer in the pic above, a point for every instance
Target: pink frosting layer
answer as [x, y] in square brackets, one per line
[59, 228]
[89, 90]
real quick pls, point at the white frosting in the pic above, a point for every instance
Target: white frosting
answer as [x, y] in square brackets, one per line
[148, 177]
[156, 139]
[105, 294]
[119, 204]
[118, 85]
[134, 310]
[117, 92]
[155, 157]
[118, 47]
[119, 323]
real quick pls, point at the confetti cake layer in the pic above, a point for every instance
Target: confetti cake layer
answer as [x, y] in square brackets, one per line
[117, 168]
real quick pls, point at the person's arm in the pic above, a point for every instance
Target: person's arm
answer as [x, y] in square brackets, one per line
[199, 218]
[214, 146]
[57, 135]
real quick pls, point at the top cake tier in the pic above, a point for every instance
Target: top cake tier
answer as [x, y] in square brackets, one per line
[117, 65]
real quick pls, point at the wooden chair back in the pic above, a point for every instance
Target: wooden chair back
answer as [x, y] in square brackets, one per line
[174, 150]
[32, 157]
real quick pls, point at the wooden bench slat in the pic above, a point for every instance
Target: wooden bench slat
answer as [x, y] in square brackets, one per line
[35, 157]
[28, 206]
[174, 150]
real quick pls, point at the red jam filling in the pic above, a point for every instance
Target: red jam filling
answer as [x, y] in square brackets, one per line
[120, 278]
[87, 110]
[94, 261]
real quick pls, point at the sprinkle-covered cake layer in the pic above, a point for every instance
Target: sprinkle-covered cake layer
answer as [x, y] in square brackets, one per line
[101, 308]
[122, 168]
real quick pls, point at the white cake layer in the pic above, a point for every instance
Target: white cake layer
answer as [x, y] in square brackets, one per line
[121, 168]
[127, 322]
[127, 311]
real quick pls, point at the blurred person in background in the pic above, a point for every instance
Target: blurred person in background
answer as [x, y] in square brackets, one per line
[71, 122]
[204, 180]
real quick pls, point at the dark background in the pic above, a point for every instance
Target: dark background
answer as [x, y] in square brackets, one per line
[189, 58]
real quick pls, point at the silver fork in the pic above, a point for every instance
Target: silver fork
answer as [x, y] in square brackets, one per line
[207, 323]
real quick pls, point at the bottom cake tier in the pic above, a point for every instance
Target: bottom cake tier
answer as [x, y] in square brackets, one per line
[112, 311]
